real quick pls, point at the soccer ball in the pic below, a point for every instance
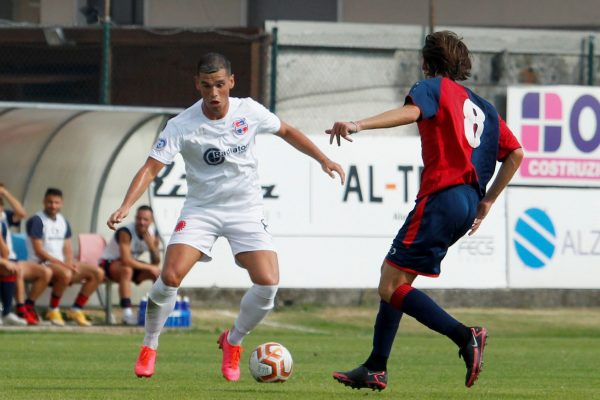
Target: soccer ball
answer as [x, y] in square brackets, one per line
[271, 362]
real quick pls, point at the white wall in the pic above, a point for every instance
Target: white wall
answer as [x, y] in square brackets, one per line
[327, 240]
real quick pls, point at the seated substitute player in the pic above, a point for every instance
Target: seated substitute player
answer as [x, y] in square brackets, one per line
[462, 136]
[50, 244]
[216, 137]
[120, 258]
[8, 277]
[27, 271]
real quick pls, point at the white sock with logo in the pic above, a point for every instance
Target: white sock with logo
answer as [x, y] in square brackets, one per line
[254, 307]
[161, 301]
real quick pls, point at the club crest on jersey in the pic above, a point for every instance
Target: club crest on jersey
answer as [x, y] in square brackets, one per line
[160, 144]
[240, 126]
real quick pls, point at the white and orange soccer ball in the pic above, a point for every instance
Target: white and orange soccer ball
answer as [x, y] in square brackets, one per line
[271, 362]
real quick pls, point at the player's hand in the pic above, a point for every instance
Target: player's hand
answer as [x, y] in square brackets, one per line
[117, 217]
[329, 167]
[155, 271]
[483, 208]
[342, 129]
[71, 266]
[10, 266]
[149, 239]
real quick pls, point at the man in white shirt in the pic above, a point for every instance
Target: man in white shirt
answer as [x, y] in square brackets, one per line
[216, 137]
[50, 244]
[120, 259]
[27, 271]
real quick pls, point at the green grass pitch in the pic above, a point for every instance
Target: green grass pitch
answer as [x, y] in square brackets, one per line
[535, 354]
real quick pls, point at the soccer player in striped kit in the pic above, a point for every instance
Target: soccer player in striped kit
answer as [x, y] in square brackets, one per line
[462, 137]
[216, 137]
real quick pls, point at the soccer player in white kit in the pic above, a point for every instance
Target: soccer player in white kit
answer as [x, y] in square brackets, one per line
[216, 137]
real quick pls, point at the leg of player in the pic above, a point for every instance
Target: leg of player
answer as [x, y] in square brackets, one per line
[373, 373]
[61, 278]
[40, 277]
[122, 274]
[396, 288]
[92, 276]
[138, 276]
[180, 258]
[7, 292]
[263, 268]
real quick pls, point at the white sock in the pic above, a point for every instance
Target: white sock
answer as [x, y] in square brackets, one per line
[254, 307]
[127, 312]
[161, 301]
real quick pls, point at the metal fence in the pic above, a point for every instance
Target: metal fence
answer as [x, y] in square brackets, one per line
[353, 70]
[121, 65]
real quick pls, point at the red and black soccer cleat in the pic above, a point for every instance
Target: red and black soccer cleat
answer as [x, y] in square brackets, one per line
[362, 377]
[472, 354]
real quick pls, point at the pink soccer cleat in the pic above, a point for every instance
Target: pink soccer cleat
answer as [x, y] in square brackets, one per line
[230, 366]
[144, 366]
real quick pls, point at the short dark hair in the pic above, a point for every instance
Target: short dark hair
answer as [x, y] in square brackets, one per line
[53, 192]
[445, 54]
[145, 208]
[212, 62]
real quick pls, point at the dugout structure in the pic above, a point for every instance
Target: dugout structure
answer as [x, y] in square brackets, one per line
[89, 152]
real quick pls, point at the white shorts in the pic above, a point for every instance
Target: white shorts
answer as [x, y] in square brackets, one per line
[245, 229]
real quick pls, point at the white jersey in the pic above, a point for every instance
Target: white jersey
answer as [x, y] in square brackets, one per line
[220, 161]
[138, 245]
[7, 236]
[52, 232]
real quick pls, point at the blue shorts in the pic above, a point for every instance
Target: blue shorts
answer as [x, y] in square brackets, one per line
[437, 221]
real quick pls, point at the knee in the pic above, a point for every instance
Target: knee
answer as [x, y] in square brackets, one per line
[385, 291]
[126, 273]
[19, 271]
[266, 277]
[46, 274]
[270, 280]
[64, 277]
[99, 274]
[171, 278]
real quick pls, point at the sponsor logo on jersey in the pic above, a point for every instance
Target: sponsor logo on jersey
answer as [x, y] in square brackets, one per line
[240, 126]
[160, 143]
[215, 156]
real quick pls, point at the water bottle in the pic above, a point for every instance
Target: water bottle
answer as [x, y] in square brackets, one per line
[177, 322]
[185, 312]
[142, 311]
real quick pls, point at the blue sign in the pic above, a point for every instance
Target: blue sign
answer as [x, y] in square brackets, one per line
[535, 238]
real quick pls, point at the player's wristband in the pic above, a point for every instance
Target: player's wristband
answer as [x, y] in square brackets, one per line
[356, 127]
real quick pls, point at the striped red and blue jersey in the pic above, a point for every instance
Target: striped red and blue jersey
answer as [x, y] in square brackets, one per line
[462, 136]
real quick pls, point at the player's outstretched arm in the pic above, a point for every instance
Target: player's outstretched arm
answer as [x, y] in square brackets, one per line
[17, 207]
[509, 166]
[302, 143]
[138, 186]
[404, 115]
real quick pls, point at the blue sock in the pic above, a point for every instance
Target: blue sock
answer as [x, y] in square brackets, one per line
[386, 326]
[7, 291]
[422, 308]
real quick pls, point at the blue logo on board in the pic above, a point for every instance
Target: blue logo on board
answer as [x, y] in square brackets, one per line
[535, 238]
